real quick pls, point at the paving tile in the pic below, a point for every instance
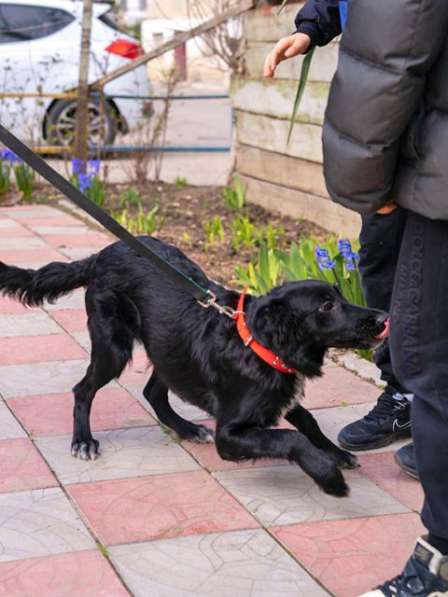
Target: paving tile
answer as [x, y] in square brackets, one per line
[58, 220]
[332, 420]
[39, 523]
[35, 323]
[351, 557]
[185, 410]
[79, 574]
[83, 339]
[9, 306]
[58, 230]
[38, 349]
[385, 472]
[76, 253]
[22, 467]
[21, 258]
[125, 453]
[159, 507]
[72, 320]
[286, 495]
[7, 223]
[338, 387]
[26, 212]
[23, 243]
[9, 427]
[113, 408]
[92, 239]
[42, 378]
[74, 300]
[238, 563]
[9, 229]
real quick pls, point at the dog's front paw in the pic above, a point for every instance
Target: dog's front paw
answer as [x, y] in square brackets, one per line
[335, 484]
[86, 450]
[345, 460]
[204, 435]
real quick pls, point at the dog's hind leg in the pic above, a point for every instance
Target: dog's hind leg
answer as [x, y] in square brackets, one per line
[112, 343]
[304, 421]
[156, 393]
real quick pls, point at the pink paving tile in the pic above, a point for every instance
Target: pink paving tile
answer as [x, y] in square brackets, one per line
[63, 220]
[11, 307]
[160, 506]
[83, 240]
[385, 472]
[349, 557]
[73, 320]
[113, 408]
[39, 349]
[208, 457]
[16, 257]
[22, 467]
[80, 574]
[338, 387]
[15, 231]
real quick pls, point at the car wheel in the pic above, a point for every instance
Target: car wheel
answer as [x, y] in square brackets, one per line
[61, 122]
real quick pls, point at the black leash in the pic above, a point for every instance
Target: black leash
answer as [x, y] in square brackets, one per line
[205, 297]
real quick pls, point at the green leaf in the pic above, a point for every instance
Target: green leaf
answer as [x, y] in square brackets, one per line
[300, 89]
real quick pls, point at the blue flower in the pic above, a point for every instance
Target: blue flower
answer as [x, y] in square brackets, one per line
[10, 156]
[345, 247]
[94, 166]
[77, 166]
[323, 259]
[351, 261]
[85, 182]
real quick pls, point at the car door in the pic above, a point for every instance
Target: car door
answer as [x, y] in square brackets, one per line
[31, 60]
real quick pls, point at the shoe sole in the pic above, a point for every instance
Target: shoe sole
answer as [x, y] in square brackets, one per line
[409, 471]
[381, 443]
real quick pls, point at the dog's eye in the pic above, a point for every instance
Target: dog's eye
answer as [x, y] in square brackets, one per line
[327, 306]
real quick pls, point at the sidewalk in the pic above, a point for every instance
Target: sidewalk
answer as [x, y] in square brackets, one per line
[154, 517]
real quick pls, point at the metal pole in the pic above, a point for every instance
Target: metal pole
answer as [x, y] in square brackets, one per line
[81, 148]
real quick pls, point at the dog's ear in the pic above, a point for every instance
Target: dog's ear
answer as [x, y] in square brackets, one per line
[277, 327]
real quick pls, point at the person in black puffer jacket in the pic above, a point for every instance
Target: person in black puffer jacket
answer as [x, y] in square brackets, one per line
[386, 148]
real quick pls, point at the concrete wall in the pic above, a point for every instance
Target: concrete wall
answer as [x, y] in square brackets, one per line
[281, 176]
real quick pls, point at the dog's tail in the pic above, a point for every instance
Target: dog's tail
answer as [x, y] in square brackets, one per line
[32, 287]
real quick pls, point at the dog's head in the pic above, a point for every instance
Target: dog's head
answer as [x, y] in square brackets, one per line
[301, 320]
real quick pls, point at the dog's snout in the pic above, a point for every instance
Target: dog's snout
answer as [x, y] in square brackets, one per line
[381, 318]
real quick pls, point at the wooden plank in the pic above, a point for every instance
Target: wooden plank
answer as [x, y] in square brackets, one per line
[177, 41]
[323, 65]
[281, 170]
[297, 204]
[276, 98]
[272, 133]
[266, 24]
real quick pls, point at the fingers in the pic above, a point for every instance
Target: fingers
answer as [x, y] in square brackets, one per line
[287, 47]
[300, 46]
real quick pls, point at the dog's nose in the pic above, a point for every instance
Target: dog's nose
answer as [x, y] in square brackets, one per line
[382, 318]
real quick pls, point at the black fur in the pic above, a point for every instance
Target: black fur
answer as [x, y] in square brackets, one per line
[198, 354]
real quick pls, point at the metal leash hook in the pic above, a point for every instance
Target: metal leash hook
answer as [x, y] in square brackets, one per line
[212, 302]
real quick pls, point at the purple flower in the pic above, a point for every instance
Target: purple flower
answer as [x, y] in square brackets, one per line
[85, 182]
[10, 156]
[345, 247]
[351, 261]
[94, 166]
[323, 259]
[77, 166]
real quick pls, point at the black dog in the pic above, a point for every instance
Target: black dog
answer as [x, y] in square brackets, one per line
[199, 355]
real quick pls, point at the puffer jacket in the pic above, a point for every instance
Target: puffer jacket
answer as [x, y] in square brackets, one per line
[386, 126]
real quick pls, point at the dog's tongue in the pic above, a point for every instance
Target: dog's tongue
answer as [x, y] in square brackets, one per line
[385, 333]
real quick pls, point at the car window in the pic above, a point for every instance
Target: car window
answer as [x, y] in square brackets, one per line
[20, 22]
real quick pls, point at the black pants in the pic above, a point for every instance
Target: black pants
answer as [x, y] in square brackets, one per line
[419, 348]
[380, 239]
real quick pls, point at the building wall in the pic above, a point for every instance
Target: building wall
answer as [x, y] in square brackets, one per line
[281, 176]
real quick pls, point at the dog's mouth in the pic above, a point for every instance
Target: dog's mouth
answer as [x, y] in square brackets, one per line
[385, 332]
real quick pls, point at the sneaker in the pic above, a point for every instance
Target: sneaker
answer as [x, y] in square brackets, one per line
[425, 575]
[405, 458]
[388, 421]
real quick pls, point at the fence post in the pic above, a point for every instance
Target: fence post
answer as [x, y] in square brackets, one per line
[81, 148]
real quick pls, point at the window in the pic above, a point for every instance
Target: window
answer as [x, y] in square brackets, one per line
[24, 23]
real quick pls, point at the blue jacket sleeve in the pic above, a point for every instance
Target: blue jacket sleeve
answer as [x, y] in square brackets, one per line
[320, 20]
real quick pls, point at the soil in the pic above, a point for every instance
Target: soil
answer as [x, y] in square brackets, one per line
[185, 209]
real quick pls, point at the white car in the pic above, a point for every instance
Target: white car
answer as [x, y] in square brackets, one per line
[40, 51]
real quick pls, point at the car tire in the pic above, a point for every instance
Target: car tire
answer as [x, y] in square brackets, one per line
[59, 128]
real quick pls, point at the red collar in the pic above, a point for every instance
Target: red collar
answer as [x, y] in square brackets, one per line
[264, 353]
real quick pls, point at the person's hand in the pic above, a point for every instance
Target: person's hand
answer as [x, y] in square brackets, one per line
[387, 209]
[288, 47]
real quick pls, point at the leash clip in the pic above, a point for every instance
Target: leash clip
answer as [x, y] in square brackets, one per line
[211, 301]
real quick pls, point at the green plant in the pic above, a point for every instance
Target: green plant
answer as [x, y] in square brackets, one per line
[181, 182]
[243, 233]
[96, 191]
[262, 276]
[269, 234]
[235, 195]
[143, 223]
[5, 178]
[25, 180]
[130, 198]
[214, 231]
